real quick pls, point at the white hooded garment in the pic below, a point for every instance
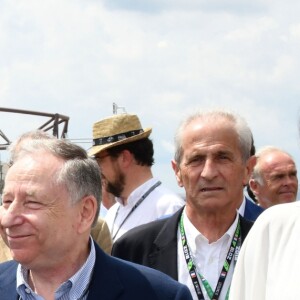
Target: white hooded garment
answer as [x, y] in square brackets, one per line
[268, 265]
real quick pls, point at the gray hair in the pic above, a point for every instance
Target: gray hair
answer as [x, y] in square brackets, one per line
[239, 124]
[15, 146]
[80, 174]
[262, 152]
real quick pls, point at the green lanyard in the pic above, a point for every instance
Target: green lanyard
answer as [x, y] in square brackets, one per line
[233, 251]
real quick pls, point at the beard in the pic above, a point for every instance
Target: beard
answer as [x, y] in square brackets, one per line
[117, 186]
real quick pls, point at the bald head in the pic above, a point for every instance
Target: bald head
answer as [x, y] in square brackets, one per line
[274, 179]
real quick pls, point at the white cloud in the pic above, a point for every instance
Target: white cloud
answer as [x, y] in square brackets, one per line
[78, 57]
[157, 6]
[295, 31]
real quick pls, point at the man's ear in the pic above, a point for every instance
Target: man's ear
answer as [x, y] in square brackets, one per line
[88, 210]
[177, 172]
[253, 186]
[249, 169]
[125, 158]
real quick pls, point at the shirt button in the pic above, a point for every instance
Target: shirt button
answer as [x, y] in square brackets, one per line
[27, 290]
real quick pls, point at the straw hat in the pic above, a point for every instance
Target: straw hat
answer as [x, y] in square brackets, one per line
[117, 130]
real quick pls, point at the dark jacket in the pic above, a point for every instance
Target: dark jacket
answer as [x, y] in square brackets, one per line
[252, 210]
[113, 279]
[155, 244]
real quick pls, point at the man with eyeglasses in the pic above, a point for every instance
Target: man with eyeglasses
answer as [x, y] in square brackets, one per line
[124, 153]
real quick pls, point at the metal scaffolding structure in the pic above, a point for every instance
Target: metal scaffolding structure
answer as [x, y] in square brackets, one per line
[51, 124]
[56, 122]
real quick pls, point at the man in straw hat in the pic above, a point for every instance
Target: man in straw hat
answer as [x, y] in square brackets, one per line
[124, 153]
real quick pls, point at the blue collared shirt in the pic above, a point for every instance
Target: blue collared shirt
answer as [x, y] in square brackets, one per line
[75, 287]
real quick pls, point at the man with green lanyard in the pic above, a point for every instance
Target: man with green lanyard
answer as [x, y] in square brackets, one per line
[199, 244]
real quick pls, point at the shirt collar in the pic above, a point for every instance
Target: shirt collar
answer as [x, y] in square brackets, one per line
[192, 233]
[76, 286]
[138, 192]
[242, 207]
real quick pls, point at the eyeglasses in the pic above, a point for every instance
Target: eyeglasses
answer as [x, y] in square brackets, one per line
[101, 157]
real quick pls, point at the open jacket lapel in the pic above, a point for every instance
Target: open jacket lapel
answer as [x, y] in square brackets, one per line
[164, 255]
[104, 276]
[8, 280]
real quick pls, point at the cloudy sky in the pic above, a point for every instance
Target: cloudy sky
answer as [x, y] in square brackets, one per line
[159, 59]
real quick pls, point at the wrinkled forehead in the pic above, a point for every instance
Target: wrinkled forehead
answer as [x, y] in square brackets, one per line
[204, 131]
[38, 167]
[277, 160]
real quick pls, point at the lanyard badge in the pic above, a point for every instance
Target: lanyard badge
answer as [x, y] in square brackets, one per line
[232, 254]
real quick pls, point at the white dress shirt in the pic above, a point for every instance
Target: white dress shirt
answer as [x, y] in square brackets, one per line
[242, 207]
[208, 257]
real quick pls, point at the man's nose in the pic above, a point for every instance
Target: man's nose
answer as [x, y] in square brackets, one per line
[11, 215]
[209, 170]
